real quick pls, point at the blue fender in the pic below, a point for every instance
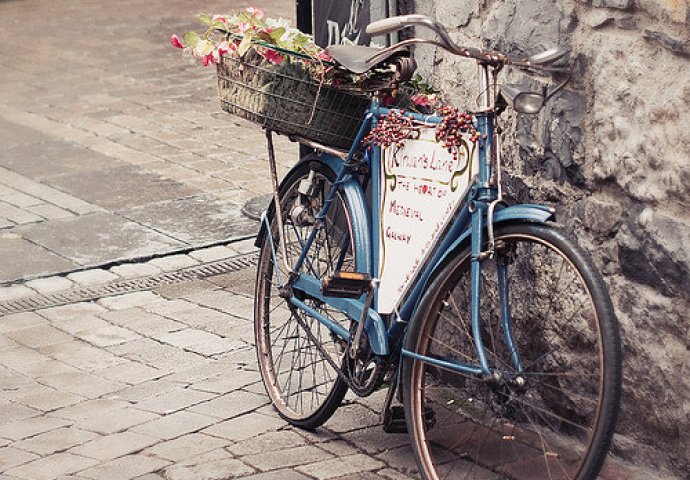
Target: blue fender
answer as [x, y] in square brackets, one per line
[515, 213]
[335, 163]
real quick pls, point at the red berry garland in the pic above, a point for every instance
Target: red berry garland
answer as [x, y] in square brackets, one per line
[393, 129]
[396, 127]
[454, 124]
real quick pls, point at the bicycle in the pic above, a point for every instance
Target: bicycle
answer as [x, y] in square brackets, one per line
[501, 341]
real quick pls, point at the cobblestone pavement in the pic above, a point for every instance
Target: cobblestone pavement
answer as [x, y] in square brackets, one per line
[112, 146]
[163, 384]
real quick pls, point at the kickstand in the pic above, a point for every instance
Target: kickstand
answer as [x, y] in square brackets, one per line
[393, 416]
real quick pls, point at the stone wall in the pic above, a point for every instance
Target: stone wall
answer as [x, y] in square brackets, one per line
[612, 153]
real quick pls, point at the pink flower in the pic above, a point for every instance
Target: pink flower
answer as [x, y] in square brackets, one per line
[175, 42]
[421, 100]
[387, 100]
[223, 48]
[243, 27]
[272, 56]
[208, 60]
[220, 18]
[324, 56]
[256, 12]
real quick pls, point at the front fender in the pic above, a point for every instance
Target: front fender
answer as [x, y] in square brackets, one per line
[515, 213]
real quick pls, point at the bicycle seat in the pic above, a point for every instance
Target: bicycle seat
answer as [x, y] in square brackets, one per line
[359, 58]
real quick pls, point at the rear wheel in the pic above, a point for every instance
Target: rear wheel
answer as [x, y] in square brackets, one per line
[554, 418]
[297, 355]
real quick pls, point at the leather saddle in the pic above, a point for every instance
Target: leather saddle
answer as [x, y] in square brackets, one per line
[360, 59]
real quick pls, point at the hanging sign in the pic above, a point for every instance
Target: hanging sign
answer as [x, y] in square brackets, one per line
[337, 22]
[421, 186]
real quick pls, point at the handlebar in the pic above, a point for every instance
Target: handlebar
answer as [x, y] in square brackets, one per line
[540, 61]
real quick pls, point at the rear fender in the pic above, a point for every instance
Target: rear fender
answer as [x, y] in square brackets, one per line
[336, 164]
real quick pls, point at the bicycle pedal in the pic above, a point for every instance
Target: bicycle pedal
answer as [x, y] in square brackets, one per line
[346, 284]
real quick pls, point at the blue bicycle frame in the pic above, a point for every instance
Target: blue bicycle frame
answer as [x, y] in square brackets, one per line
[478, 212]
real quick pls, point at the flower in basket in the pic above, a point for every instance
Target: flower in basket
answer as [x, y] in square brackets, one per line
[247, 30]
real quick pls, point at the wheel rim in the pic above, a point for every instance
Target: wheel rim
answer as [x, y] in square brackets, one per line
[551, 424]
[299, 380]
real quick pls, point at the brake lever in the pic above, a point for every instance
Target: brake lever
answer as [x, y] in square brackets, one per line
[559, 87]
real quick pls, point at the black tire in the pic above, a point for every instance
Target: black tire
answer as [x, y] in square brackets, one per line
[302, 384]
[559, 422]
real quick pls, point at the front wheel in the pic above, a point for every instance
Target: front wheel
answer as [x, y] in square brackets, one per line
[549, 408]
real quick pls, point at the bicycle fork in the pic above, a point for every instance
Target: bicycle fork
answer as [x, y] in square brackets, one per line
[477, 259]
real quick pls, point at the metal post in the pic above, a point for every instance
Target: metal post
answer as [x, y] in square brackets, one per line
[276, 198]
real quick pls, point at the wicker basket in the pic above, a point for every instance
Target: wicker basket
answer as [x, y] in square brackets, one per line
[284, 98]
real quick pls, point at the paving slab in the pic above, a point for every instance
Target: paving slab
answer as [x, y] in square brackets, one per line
[51, 467]
[97, 238]
[196, 220]
[126, 186]
[31, 153]
[124, 468]
[24, 259]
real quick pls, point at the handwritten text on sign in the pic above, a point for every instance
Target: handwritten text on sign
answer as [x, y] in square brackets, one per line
[421, 185]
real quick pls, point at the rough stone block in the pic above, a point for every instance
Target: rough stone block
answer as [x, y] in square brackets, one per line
[208, 469]
[341, 466]
[30, 427]
[60, 439]
[142, 322]
[289, 457]
[95, 276]
[115, 445]
[198, 341]
[14, 292]
[10, 457]
[80, 383]
[38, 336]
[19, 321]
[173, 262]
[129, 300]
[212, 254]
[131, 373]
[51, 467]
[133, 270]
[125, 468]
[618, 4]
[49, 212]
[46, 399]
[116, 420]
[231, 405]
[245, 427]
[50, 284]
[108, 336]
[174, 425]
[82, 356]
[175, 400]
[186, 447]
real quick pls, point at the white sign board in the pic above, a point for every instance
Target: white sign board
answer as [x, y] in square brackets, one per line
[421, 185]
